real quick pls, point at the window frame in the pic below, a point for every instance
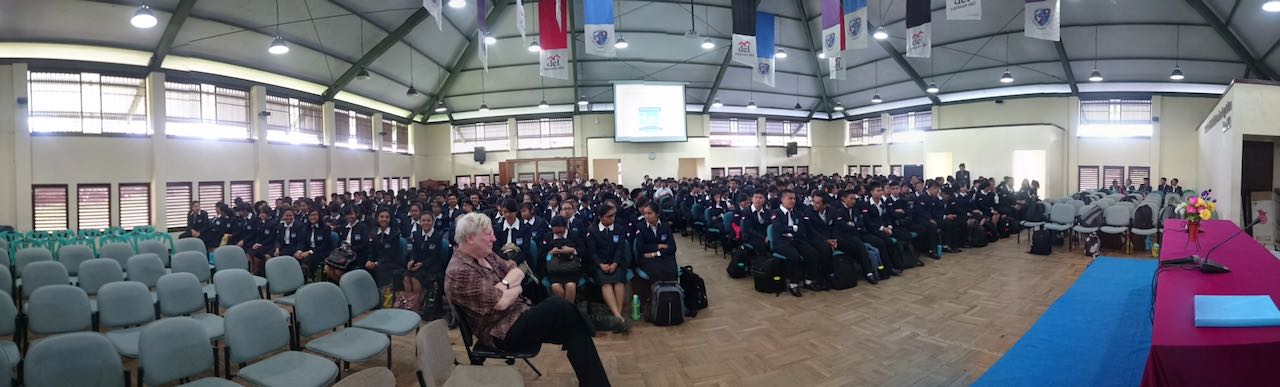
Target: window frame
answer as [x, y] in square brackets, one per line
[546, 135]
[298, 111]
[787, 125]
[1106, 183]
[211, 207]
[66, 206]
[1116, 126]
[456, 130]
[36, 95]
[215, 94]
[120, 194]
[1097, 177]
[182, 209]
[719, 172]
[271, 184]
[311, 186]
[734, 133]
[240, 184]
[1137, 180]
[871, 132]
[80, 220]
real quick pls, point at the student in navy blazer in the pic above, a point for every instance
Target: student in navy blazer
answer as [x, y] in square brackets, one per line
[509, 229]
[791, 240]
[655, 251]
[605, 260]
[316, 244]
[355, 233]
[386, 259]
[427, 262]
[291, 235]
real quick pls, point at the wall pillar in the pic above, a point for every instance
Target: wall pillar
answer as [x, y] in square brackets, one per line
[22, 152]
[258, 134]
[377, 151]
[159, 143]
[327, 128]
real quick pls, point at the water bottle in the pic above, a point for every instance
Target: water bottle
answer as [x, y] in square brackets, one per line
[1155, 250]
[1148, 244]
[939, 250]
[635, 307]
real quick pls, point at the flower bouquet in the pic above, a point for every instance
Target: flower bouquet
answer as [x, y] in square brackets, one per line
[1196, 209]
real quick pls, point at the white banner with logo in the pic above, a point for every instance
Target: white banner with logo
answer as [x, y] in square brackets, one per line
[836, 64]
[920, 40]
[964, 9]
[855, 29]
[554, 63]
[1043, 19]
[600, 40]
[744, 49]
[764, 71]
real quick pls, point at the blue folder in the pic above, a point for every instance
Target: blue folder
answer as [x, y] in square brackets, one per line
[1236, 311]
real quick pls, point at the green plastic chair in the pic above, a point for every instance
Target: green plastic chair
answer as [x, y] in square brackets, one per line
[42, 238]
[114, 238]
[72, 241]
[147, 229]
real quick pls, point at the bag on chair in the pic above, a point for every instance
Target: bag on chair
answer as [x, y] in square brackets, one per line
[695, 290]
[1041, 242]
[739, 263]
[666, 308]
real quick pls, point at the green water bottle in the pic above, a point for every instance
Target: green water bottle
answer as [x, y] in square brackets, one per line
[635, 307]
[1155, 250]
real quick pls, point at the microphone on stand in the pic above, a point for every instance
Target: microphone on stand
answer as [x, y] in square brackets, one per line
[1211, 267]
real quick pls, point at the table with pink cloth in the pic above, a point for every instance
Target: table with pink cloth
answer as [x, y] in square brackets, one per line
[1183, 355]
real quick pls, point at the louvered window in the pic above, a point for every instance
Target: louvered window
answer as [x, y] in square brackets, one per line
[1112, 174]
[734, 132]
[315, 187]
[1136, 174]
[210, 194]
[779, 133]
[88, 103]
[242, 190]
[135, 205]
[177, 202]
[293, 121]
[93, 206]
[490, 135]
[275, 190]
[49, 207]
[206, 111]
[1089, 179]
[546, 133]
[341, 186]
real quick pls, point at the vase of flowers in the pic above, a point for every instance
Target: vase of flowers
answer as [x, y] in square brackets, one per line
[1195, 210]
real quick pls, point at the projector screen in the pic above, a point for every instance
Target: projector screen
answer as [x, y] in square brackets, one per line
[648, 112]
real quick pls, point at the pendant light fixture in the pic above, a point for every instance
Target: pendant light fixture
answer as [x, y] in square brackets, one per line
[780, 53]
[583, 101]
[1177, 70]
[1095, 76]
[751, 105]
[839, 106]
[621, 43]
[440, 108]
[483, 90]
[456, 4]
[534, 46]
[1271, 6]
[489, 40]
[363, 74]
[707, 43]
[933, 87]
[543, 104]
[796, 93]
[880, 34]
[1007, 77]
[876, 69]
[692, 33]
[412, 90]
[717, 103]
[278, 45]
[143, 18]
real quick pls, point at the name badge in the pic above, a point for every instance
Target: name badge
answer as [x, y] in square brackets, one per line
[615, 239]
[357, 237]
[519, 241]
[663, 237]
[535, 235]
[431, 246]
[266, 232]
[386, 245]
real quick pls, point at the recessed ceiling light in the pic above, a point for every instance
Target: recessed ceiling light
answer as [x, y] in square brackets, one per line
[143, 18]
[278, 46]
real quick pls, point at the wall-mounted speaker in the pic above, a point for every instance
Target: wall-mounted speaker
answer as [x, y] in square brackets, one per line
[793, 149]
[479, 154]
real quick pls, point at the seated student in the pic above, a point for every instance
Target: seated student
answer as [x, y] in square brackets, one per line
[605, 260]
[931, 211]
[407, 223]
[1145, 188]
[754, 222]
[1164, 185]
[487, 289]
[385, 260]
[197, 220]
[986, 202]
[576, 222]
[1115, 186]
[656, 249]
[563, 264]
[820, 222]
[291, 236]
[218, 228]
[427, 261]
[510, 231]
[262, 242]
[1174, 187]
[926, 239]
[240, 227]
[316, 245]
[791, 235]
[878, 223]
[355, 234]
[847, 227]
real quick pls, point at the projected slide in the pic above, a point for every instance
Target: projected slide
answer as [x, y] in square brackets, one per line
[648, 112]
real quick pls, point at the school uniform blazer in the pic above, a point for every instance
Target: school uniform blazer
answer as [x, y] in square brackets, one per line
[198, 221]
[260, 232]
[217, 228]
[848, 220]
[788, 225]
[317, 239]
[430, 251]
[578, 224]
[293, 240]
[239, 230]
[606, 246]
[928, 208]
[520, 235]
[406, 228]
[663, 266]
[385, 250]
[962, 178]
[875, 216]
[537, 227]
[358, 235]
[820, 228]
[755, 223]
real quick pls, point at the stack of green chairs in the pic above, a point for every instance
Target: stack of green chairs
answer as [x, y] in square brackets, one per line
[41, 239]
[91, 235]
[11, 239]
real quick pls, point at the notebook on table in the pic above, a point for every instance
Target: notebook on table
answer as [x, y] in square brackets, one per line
[1236, 311]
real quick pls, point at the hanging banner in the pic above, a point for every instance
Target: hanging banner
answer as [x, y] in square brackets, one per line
[836, 64]
[520, 21]
[832, 29]
[855, 24]
[433, 7]
[964, 9]
[482, 29]
[553, 36]
[1043, 19]
[764, 65]
[744, 32]
[919, 29]
[598, 27]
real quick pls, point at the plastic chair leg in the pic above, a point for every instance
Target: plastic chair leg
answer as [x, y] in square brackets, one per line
[535, 369]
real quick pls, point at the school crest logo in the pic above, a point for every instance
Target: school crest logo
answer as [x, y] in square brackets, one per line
[917, 39]
[830, 40]
[764, 68]
[855, 27]
[600, 38]
[1042, 16]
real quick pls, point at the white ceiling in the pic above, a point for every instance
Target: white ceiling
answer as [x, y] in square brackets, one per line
[1136, 42]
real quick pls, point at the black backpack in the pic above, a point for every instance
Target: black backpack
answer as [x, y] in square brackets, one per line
[1093, 218]
[767, 275]
[739, 263]
[977, 235]
[844, 273]
[667, 305]
[695, 291]
[1035, 212]
[1041, 242]
[1143, 218]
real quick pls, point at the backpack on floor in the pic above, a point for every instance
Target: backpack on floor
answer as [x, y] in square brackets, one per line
[877, 264]
[767, 273]
[666, 308]
[1092, 244]
[1005, 228]
[695, 290]
[844, 273]
[977, 235]
[739, 263]
[1041, 242]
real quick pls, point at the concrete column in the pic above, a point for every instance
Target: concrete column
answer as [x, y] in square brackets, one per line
[886, 137]
[328, 122]
[159, 143]
[1157, 134]
[8, 145]
[258, 134]
[22, 151]
[761, 157]
[377, 150]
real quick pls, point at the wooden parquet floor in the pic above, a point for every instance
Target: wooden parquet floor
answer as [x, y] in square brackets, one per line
[940, 325]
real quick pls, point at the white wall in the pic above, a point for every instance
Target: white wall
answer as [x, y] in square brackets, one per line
[1253, 113]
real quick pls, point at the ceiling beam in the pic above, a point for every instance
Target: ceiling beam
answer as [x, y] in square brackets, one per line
[659, 32]
[1232, 40]
[365, 60]
[1232, 14]
[1066, 67]
[375, 25]
[825, 99]
[724, 67]
[906, 67]
[603, 84]
[636, 60]
[178, 17]
[456, 67]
